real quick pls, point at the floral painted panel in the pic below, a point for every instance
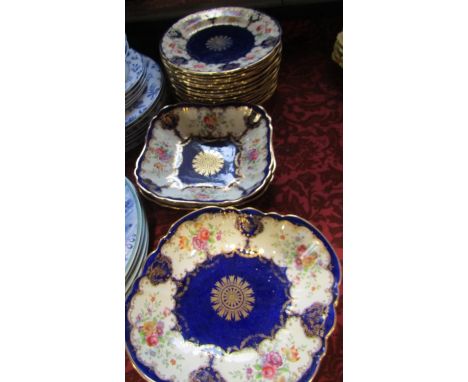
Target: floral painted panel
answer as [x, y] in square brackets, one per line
[159, 156]
[305, 257]
[209, 234]
[156, 344]
[284, 358]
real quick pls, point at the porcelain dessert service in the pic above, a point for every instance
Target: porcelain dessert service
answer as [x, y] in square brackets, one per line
[234, 295]
[144, 95]
[223, 54]
[136, 235]
[199, 155]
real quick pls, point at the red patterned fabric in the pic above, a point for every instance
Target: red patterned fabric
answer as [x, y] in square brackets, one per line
[307, 118]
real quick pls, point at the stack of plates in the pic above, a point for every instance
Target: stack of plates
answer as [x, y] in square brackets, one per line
[337, 54]
[223, 54]
[144, 95]
[136, 235]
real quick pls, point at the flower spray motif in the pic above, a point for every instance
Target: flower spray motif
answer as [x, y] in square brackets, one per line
[271, 367]
[200, 241]
[201, 237]
[210, 120]
[292, 354]
[305, 257]
[151, 331]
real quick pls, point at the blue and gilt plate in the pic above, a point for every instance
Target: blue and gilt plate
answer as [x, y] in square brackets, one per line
[198, 155]
[234, 295]
[151, 95]
[220, 40]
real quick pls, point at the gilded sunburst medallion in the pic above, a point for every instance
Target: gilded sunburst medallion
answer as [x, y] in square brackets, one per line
[219, 43]
[232, 298]
[208, 163]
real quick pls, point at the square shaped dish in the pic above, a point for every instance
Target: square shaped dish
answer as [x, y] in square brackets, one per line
[198, 155]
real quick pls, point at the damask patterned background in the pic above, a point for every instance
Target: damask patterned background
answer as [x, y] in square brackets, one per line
[307, 114]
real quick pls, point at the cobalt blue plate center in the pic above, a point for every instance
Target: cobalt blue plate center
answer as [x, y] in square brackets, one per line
[232, 301]
[208, 162]
[220, 44]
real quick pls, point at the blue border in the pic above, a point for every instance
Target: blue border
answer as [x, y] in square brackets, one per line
[336, 271]
[209, 106]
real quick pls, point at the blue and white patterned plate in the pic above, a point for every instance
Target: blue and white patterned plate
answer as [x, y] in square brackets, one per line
[150, 96]
[234, 295]
[134, 69]
[133, 229]
[142, 251]
[137, 91]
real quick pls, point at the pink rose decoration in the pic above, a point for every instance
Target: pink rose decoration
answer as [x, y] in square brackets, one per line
[301, 249]
[218, 236]
[201, 196]
[159, 328]
[268, 371]
[162, 154]
[249, 370]
[298, 261]
[204, 234]
[253, 154]
[152, 339]
[199, 243]
[274, 358]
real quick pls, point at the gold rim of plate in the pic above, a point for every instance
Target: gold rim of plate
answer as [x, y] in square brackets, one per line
[220, 92]
[225, 77]
[190, 206]
[248, 91]
[229, 83]
[232, 72]
[256, 98]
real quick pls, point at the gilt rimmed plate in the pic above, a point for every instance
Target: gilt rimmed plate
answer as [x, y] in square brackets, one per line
[154, 83]
[220, 40]
[197, 155]
[234, 295]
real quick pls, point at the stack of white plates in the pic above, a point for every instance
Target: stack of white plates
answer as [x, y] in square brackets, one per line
[144, 95]
[136, 235]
